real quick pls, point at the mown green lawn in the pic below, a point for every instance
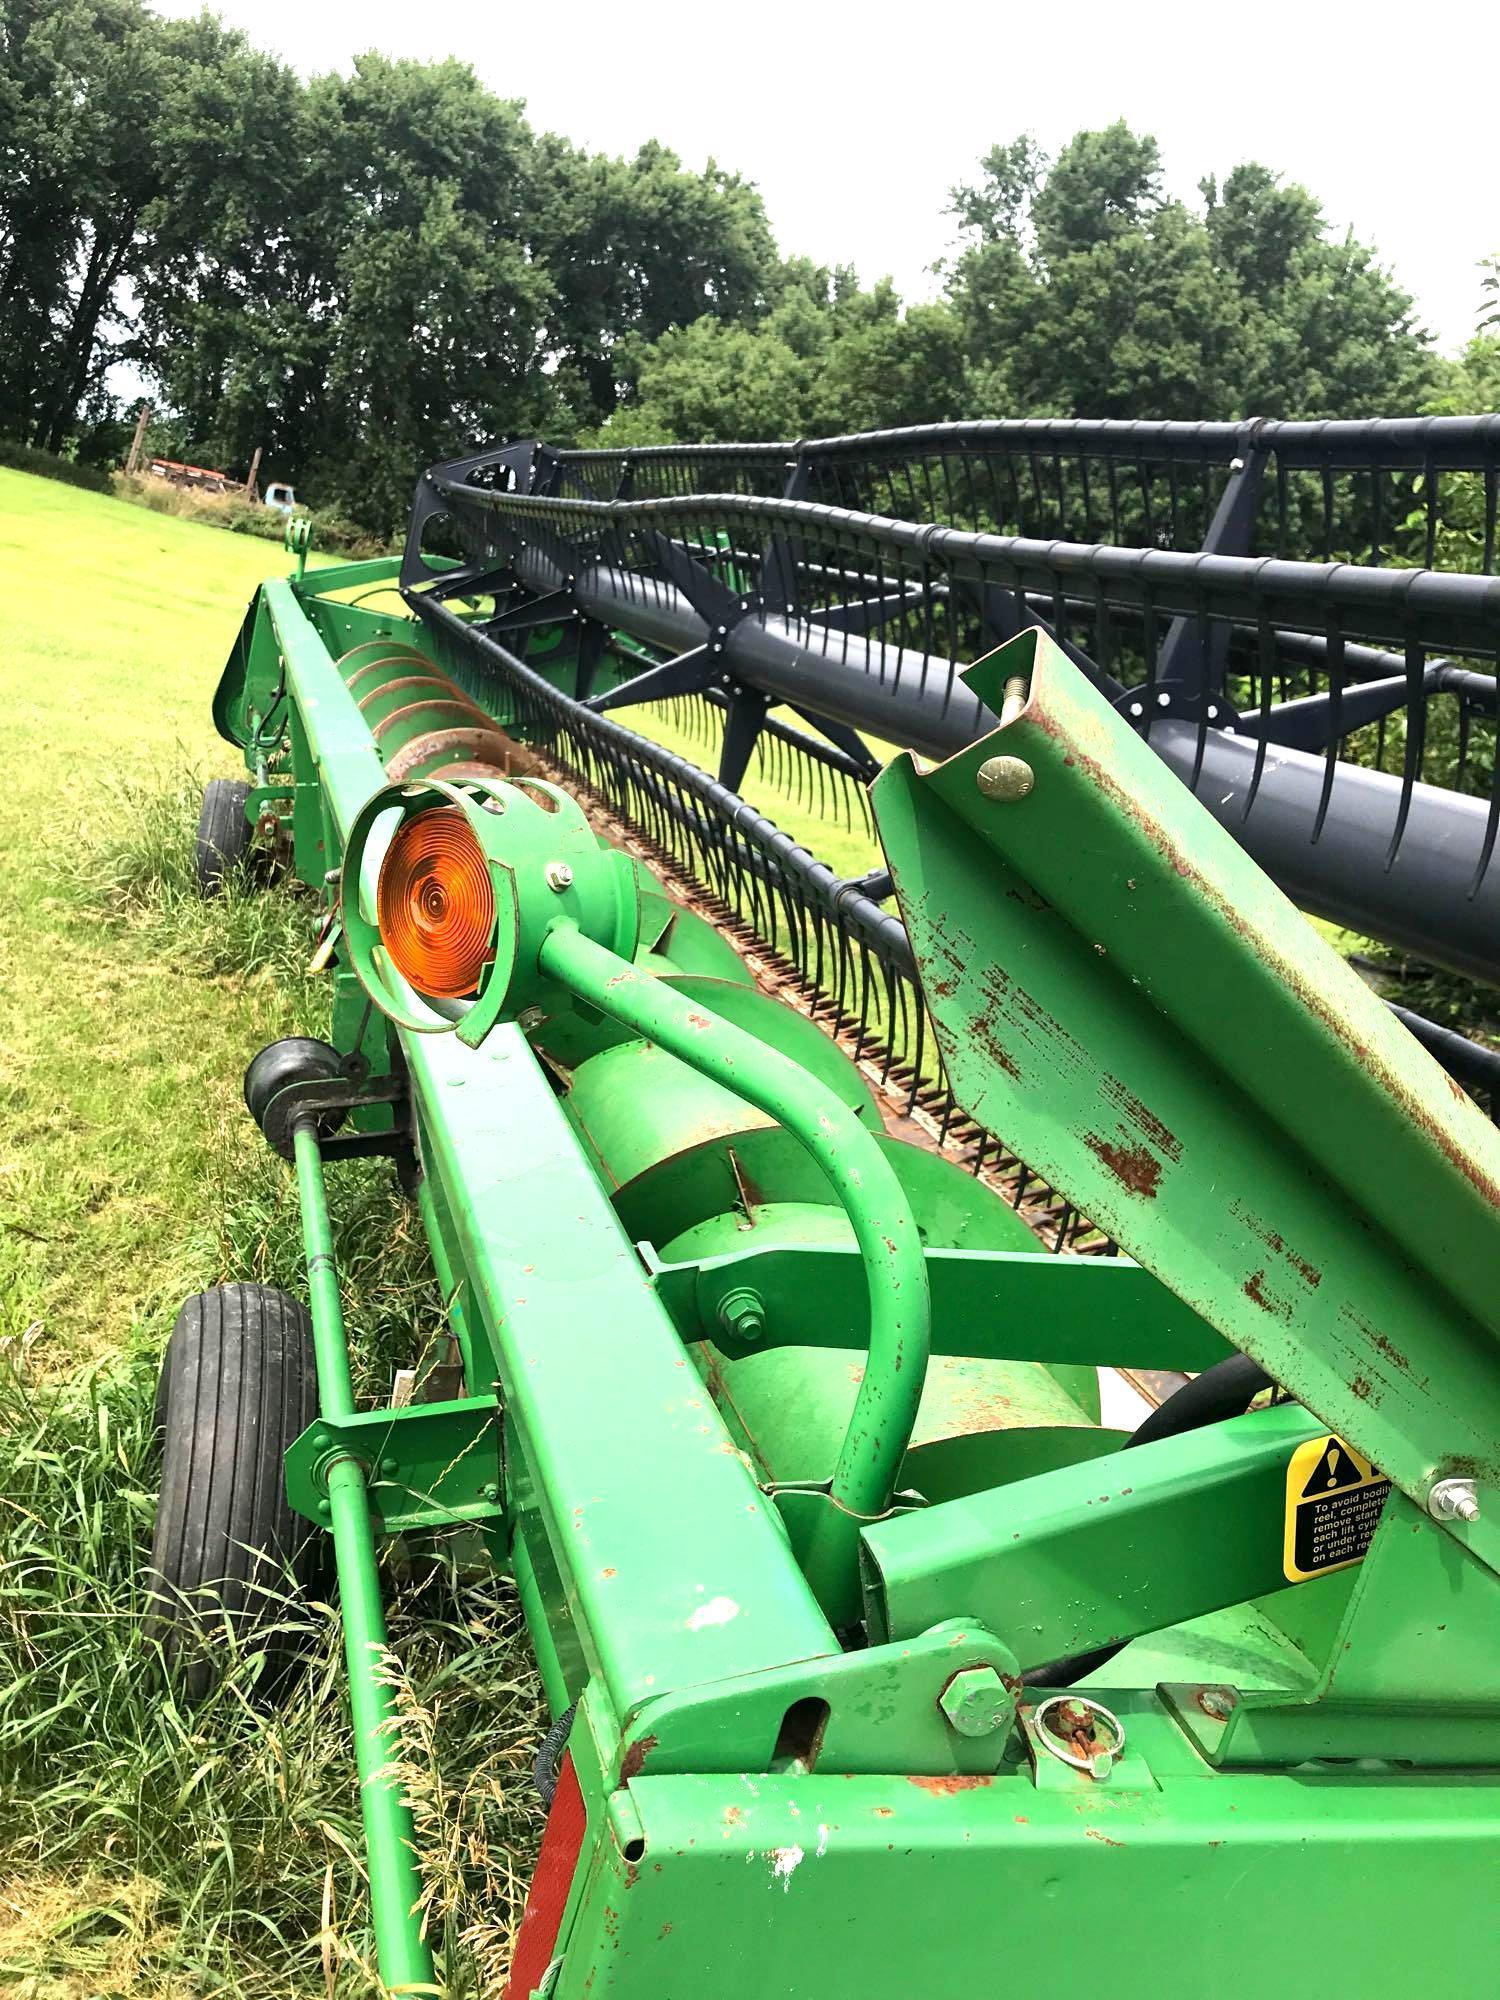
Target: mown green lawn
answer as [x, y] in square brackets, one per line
[119, 1061]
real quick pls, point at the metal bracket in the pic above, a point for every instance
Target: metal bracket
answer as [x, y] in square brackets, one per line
[1411, 1676]
[1327, 1199]
[429, 1465]
[1003, 1305]
[877, 1710]
[336, 1093]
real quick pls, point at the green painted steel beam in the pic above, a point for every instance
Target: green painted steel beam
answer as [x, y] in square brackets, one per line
[348, 766]
[1123, 996]
[675, 1568]
[1000, 1305]
[1097, 1553]
[1236, 1889]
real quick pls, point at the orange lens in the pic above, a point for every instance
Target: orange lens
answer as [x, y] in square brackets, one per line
[437, 904]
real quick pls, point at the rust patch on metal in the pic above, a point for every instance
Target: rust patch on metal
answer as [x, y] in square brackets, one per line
[1308, 1272]
[1094, 1833]
[946, 1787]
[1135, 1167]
[1255, 1291]
[1389, 1349]
[1381, 1071]
[634, 1760]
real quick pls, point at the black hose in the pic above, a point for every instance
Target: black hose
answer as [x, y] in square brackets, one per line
[547, 1769]
[1225, 1390]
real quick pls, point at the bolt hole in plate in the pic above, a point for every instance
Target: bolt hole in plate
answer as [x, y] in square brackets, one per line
[1079, 1732]
[800, 1736]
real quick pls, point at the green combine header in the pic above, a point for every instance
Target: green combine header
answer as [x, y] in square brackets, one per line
[785, 1224]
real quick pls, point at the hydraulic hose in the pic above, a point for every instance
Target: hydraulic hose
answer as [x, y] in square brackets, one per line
[865, 1183]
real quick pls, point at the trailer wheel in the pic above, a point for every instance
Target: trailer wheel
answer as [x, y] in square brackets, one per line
[223, 833]
[228, 1555]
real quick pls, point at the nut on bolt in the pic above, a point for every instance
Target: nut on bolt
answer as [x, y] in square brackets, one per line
[558, 875]
[742, 1314]
[976, 1702]
[1453, 1500]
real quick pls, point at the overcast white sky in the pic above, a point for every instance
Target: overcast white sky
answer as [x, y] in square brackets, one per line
[855, 120]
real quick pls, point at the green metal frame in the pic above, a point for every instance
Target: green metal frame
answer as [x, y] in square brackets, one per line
[665, 1227]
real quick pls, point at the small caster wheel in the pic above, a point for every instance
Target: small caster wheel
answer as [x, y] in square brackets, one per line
[223, 840]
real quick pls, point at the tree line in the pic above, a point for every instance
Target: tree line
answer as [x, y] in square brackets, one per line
[365, 272]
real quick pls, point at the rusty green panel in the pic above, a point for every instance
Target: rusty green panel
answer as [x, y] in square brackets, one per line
[890, 1887]
[1093, 1554]
[1124, 997]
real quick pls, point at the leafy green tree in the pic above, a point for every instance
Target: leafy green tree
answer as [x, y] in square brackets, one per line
[1084, 290]
[636, 247]
[828, 357]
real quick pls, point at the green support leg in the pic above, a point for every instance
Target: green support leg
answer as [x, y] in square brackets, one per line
[390, 1838]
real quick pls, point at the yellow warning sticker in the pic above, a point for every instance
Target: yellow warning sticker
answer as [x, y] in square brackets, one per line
[1333, 1500]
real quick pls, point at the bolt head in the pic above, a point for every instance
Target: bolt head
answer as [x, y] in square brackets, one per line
[1217, 1702]
[976, 1702]
[1005, 778]
[529, 1019]
[1453, 1500]
[559, 875]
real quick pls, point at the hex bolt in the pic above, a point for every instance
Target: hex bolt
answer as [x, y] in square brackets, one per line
[1453, 1500]
[558, 875]
[742, 1314]
[489, 1492]
[976, 1702]
[530, 1018]
[1005, 778]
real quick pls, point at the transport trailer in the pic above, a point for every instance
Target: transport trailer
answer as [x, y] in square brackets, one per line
[877, 1665]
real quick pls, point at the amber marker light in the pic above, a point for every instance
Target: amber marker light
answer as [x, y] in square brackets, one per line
[437, 904]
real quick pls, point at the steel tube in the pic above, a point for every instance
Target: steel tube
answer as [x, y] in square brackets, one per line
[390, 1837]
[331, 1348]
[866, 1186]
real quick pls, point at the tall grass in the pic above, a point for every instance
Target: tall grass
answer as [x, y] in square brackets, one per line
[134, 862]
[147, 1848]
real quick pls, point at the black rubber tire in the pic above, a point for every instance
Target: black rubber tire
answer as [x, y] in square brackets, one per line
[239, 1384]
[294, 1059]
[223, 833]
